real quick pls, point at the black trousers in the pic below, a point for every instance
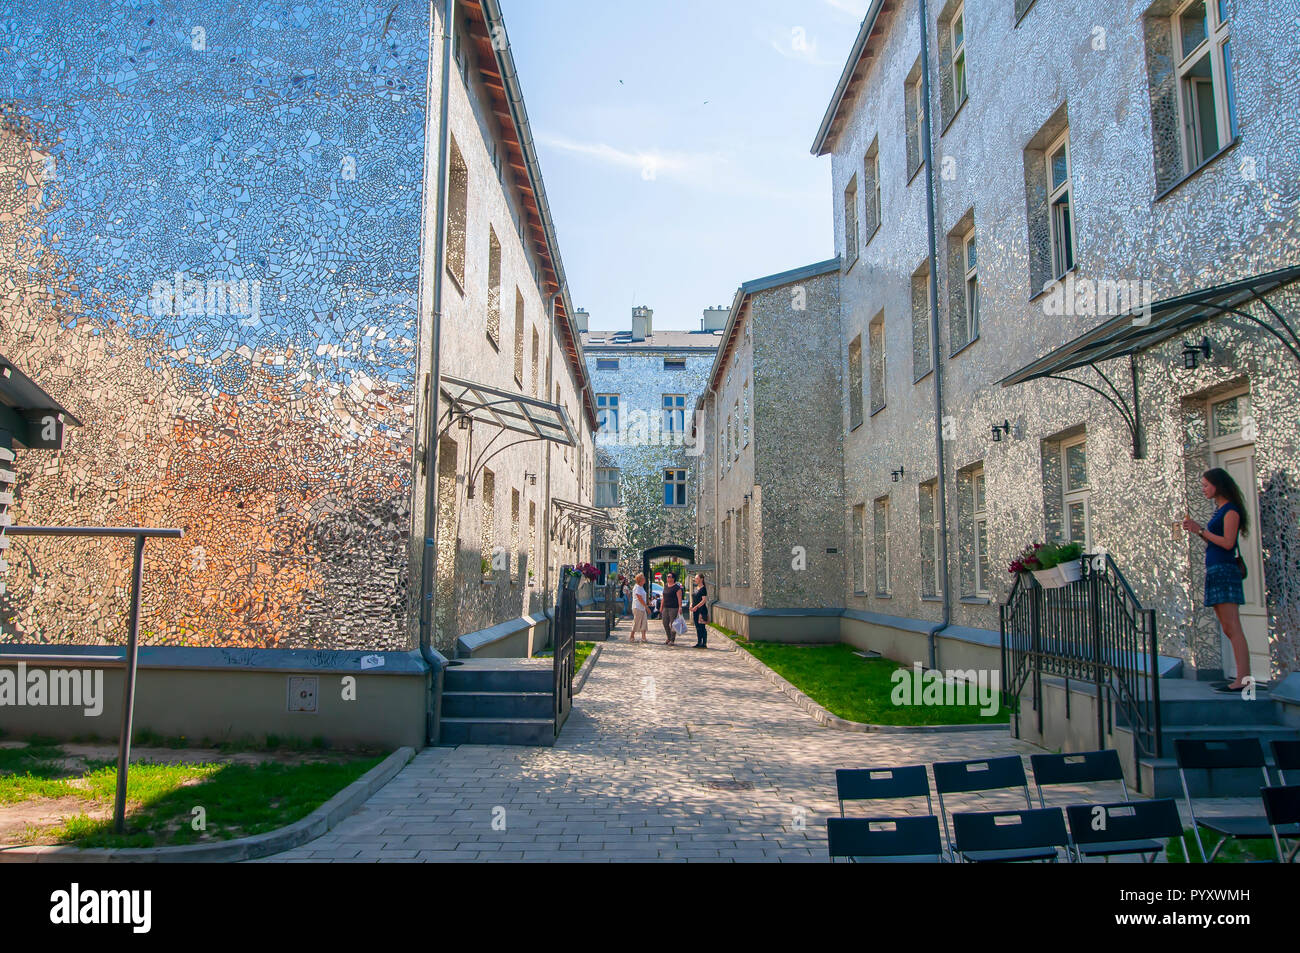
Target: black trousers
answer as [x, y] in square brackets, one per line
[701, 632]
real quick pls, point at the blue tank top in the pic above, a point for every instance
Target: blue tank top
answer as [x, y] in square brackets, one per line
[1216, 555]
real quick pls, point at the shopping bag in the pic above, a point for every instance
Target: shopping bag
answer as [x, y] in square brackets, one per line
[679, 625]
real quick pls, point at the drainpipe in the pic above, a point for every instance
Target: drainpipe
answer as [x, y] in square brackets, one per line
[935, 356]
[432, 658]
[546, 503]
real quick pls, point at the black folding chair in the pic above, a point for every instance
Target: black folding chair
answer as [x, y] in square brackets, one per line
[1282, 808]
[1124, 827]
[1081, 767]
[909, 840]
[1220, 755]
[872, 784]
[1286, 757]
[988, 774]
[1004, 836]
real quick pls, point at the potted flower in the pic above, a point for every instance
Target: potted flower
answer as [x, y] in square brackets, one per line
[590, 571]
[1027, 561]
[1058, 565]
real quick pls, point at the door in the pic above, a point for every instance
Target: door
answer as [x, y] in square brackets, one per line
[1240, 464]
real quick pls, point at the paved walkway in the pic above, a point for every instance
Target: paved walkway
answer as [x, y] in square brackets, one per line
[671, 753]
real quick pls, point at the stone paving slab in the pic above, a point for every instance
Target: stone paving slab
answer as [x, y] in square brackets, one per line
[647, 768]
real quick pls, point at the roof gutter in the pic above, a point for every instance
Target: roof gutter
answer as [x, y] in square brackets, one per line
[820, 144]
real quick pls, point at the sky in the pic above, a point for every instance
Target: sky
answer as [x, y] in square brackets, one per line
[674, 141]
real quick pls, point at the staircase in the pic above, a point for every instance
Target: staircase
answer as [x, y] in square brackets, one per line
[507, 701]
[591, 625]
[1193, 710]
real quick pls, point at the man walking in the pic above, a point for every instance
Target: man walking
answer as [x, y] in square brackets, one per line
[671, 606]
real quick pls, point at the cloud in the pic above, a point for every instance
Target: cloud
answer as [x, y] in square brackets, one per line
[797, 46]
[854, 8]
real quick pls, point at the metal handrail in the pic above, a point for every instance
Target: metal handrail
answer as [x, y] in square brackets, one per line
[1093, 630]
[131, 660]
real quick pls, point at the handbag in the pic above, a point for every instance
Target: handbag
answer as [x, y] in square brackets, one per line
[1241, 563]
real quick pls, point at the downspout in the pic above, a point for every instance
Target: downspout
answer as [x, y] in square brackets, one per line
[546, 503]
[935, 355]
[432, 658]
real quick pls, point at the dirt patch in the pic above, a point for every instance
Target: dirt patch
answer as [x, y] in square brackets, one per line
[23, 822]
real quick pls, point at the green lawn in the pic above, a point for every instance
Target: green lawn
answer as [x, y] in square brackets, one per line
[580, 652]
[237, 799]
[1235, 852]
[855, 688]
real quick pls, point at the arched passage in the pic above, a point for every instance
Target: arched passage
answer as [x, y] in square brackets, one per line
[685, 553]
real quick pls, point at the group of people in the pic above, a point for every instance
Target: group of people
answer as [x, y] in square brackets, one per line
[670, 606]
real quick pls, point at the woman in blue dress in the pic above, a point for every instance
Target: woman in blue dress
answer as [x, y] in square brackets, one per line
[1223, 577]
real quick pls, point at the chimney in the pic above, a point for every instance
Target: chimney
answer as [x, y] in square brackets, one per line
[581, 318]
[715, 319]
[642, 323]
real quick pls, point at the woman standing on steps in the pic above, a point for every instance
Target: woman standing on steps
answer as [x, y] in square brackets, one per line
[1224, 569]
[700, 612]
[640, 610]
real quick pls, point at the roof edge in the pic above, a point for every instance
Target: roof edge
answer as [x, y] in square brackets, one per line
[819, 146]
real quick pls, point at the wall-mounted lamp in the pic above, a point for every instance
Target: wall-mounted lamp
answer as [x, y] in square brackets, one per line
[464, 421]
[531, 478]
[896, 474]
[1193, 352]
[1001, 430]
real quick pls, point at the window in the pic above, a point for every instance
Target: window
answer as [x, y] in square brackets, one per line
[928, 512]
[494, 289]
[876, 332]
[881, 545]
[860, 549]
[1203, 54]
[607, 563]
[674, 487]
[519, 339]
[674, 363]
[516, 555]
[851, 222]
[971, 298]
[607, 412]
[958, 34]
[921, 354]
[607, 486]
[1229, 417]
[674, 414]
[724, 554]
[532, 542]
[1061, 221]
[744, 413]
[980, 532]
[606, 363]
[488, 527]
[1077, 523]
[871, 190]
[536, 351]
[855, 382]
[457, 206]
[913, 115]
[723, 453]
[744, 545]
[735, 430]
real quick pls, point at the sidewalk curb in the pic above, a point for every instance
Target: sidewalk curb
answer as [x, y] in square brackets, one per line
[828, 720]
[591, 663]
[285, 838]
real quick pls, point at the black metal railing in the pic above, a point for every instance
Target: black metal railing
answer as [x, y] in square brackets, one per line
[611, 602]
[1092, 630]
[564, 637]
[131, 659]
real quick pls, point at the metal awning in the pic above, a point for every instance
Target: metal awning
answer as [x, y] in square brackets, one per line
[1132, 331]
[31, 416]
[580, 514]
[1143, 327]
[467, 401]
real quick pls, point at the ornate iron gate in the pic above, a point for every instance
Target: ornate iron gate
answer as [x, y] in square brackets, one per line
[564, 632]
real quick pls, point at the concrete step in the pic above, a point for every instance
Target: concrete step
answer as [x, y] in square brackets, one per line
[1219, 709]
[497, 704]
[498, 675]
[498, 731]
[1265, 733]
[1160, 779]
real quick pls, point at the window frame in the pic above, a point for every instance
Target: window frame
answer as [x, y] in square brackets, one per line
[881, 505]
[851, 222]
[671, 415]
[602, 481]
[611, 403]
[1076, 495]
[958, 53]
[679, 482]
[1062, 239]
[970, 275]
[1217, 39]
[979, 519]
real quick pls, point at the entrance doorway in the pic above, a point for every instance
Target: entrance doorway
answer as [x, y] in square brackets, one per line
[655, 554]
[1232, 447]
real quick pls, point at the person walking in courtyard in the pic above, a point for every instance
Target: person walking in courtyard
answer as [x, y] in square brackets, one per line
[640, 609]
[625, 594]
[670, 606]
[1224, 567]
[700, 612]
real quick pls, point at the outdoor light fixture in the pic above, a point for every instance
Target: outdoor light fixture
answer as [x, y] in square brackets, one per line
[1001, 430]
[531, 478]
[897, 474]
[1191, 352]
[464, 421]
